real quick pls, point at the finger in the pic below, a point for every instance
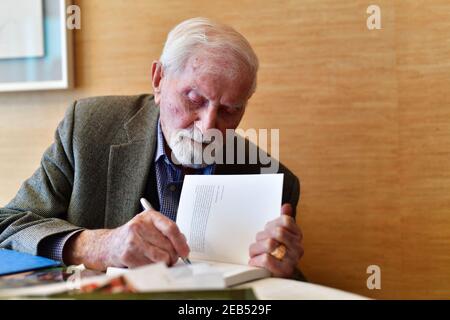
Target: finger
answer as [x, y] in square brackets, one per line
[155, 254]
[286, 209]
[144, 255]
[283, 236]
[286, 222]
[133, 254]
[292, 243]
[284, 268]
[262, 235]
[295, 252]
[154, 237]
[172, 232]
[134, 260]
[268, 262]
[263, 246]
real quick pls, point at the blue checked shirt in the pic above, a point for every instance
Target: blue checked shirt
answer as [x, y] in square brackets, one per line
[169, 179]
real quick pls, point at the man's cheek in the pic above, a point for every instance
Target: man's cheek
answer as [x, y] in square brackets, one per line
[171, 112]
[177, 109]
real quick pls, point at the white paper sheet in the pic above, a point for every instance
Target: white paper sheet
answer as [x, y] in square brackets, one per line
[221, 214]
[21, 29]
[157, 277]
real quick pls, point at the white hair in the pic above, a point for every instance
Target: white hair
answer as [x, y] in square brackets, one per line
[202, 33]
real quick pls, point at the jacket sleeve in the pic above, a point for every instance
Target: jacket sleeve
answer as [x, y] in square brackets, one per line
[295, 195]
[39, 209]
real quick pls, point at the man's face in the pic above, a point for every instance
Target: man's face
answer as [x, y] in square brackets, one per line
[205, 95]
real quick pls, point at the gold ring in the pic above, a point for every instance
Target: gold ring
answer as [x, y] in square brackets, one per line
[279, 252]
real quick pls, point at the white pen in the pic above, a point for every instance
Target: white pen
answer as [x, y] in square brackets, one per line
[147, 206]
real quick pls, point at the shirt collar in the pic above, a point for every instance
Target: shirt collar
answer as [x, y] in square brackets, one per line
[160, 151]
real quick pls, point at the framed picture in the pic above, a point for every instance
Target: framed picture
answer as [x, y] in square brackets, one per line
[35, 45]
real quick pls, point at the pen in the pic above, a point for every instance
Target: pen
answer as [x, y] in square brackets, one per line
[147, 206]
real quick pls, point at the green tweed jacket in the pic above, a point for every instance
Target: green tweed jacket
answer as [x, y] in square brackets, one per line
[95, 172]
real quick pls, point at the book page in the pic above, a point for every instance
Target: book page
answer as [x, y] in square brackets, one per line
[226, 269]
[221, 214]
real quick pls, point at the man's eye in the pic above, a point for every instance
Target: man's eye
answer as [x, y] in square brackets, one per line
[196, 99]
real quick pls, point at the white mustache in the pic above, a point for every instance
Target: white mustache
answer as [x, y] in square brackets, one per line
[193, 133]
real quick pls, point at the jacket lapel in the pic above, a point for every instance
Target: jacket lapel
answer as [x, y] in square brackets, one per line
[129, 166]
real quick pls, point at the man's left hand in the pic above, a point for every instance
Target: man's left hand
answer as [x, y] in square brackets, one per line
[281, 231]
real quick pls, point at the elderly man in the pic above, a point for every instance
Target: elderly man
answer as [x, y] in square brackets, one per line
[82, 204]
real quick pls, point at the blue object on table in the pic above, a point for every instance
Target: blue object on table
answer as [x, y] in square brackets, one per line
[16, 262]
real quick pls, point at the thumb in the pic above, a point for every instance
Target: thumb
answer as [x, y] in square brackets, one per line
[286, 209]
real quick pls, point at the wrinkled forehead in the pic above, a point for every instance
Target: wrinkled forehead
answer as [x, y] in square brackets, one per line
[216, 70]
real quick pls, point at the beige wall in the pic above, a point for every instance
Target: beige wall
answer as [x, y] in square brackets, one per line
[364, 118]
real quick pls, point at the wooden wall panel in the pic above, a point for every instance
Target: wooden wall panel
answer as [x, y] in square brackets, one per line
[363, 117]
[423, 66]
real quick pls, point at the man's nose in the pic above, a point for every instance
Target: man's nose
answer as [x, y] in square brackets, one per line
[208, 118]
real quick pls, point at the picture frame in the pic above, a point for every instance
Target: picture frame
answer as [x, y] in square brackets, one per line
[54, 69]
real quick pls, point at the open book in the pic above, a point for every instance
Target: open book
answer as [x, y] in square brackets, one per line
[221, 215]
[232, 274]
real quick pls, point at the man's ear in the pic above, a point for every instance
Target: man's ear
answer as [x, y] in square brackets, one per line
[157, 75]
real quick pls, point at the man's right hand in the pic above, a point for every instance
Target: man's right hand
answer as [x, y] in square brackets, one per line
[147, 238]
